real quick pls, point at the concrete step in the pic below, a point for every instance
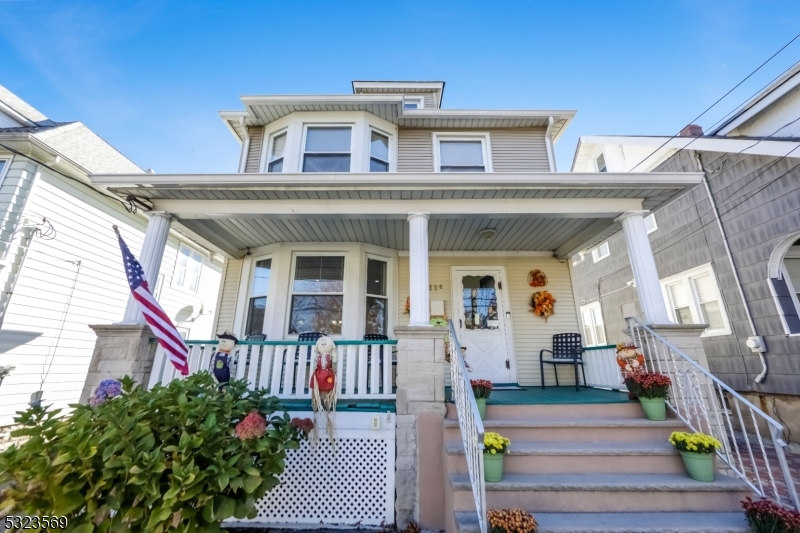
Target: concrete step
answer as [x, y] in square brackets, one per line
[594, 493]
[618, 410]
[585, 429]
[578, 457]
[467, 522]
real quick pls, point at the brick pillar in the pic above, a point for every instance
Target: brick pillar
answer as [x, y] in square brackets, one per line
[419, 476]
[120, 350]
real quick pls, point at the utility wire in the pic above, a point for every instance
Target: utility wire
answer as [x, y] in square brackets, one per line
[718, 101]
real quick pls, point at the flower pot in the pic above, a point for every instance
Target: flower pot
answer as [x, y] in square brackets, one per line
[481, 406]
[492, 467]
[699, 465]
[654, 408]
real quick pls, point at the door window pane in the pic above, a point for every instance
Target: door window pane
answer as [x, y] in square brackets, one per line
[480, 302]
[461, 156]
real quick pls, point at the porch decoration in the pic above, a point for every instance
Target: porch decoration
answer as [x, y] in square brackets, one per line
[482, 389]
[537, 278]
[494, 447]
[766, 516]
[542, 304]
[697, 451]
[629, 358]
[407, 308]
[652, 389]
[511, 521]
[323, 386]
[221, 361]
[103, 468]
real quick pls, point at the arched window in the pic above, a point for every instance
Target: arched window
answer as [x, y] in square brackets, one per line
[784, 282]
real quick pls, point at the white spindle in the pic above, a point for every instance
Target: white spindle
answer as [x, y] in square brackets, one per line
[252, 370]
[277, 368]
[288, 370]
[387, 370]
[205, 358]
[350, 380]
[362, 370]
[266, 366]
[241, 364]
[341, 363]
[302, 363]
[374, 368]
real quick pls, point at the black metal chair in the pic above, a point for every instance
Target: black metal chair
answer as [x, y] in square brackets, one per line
[567, 350]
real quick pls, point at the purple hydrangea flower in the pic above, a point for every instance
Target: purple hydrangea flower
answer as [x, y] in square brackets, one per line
[108, 388]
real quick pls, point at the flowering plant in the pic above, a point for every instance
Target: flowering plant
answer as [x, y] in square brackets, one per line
[303, 424]
[481, 388]
[648, 384]
[542, 304]
[108, 388]
[765, 516]
[252, 426]
[694, 442]
[495, 443]
[511, 521]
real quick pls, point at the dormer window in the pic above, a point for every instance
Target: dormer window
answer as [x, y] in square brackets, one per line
[277, 148]
[600, 163]
[413, 102]
[327, 149]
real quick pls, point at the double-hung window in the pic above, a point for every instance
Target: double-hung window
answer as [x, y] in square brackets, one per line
[317, 294]
[601, 252]
[277, 149]
[327, 149]
[377, 297]
[187, 269]
[257, 300]
[600, 163]
[378, 152]
[594, 333]
[463, 154]
[693, 297]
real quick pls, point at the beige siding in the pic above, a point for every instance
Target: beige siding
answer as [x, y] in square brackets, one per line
[513, 149]
[254, 150]
[414, 150]
[531, 333]
[227, 301]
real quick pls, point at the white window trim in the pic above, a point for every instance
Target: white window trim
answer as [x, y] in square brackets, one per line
[652, 216]
[588, 308]
[420, 100]
[270, 140]
[379, 131]
[291, 293]
[685, 278]
[596, 257]
[484, 137]
[5, 168]
[791, 254]
[174, 282]
[389, 292]
[353, 156]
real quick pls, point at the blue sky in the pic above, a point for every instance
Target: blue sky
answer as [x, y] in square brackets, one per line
[150, 76]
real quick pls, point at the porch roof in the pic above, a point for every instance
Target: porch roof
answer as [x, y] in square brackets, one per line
[561, 213]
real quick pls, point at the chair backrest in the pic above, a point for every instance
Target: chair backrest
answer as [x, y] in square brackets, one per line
[312, 336]
[375, 337]
[261, 337]
[566, 345]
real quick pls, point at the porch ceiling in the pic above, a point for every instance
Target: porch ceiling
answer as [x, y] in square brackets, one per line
[562, 213]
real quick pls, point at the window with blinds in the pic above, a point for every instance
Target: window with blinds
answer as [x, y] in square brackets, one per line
[681, 303]
[693, 297]
[317, 295]
[708, 302]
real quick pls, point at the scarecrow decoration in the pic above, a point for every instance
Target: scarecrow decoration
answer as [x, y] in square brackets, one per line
[631, 361]
[323, 386]
[221, 361]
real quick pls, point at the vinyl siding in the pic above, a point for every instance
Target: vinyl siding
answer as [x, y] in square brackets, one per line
[530, 332]
[227, 301]
[430, 101]
[46, 327]
[254, 150]
[513, 149]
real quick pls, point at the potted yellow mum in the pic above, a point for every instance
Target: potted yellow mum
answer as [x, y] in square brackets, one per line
[494, 447]
[697, 451]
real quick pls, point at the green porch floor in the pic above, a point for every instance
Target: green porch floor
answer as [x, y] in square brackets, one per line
[533, 395]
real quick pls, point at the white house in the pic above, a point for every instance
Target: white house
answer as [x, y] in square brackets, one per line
[60, 264]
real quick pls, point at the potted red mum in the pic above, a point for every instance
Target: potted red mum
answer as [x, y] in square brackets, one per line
[481, 388]
[652, 389]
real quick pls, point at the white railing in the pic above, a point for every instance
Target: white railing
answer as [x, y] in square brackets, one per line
[469, 421]
[752, 441]
[284, 368]
[602, 370]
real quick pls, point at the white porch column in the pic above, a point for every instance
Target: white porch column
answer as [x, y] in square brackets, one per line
[418, 269]
[155, 240]
[644, 268]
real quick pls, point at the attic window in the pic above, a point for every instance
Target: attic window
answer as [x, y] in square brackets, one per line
[600, 163]
[413, 103]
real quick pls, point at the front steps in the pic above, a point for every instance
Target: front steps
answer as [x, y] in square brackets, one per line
[590, 468]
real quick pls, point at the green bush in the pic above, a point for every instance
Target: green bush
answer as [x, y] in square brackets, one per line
[167, 459]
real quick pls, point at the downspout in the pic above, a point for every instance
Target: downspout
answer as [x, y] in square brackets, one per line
[759, 378]
[245, 146]
[548, 142]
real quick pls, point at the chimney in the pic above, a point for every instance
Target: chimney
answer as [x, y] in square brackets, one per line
[692, 130]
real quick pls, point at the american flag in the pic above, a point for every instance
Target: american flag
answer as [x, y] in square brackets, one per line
[168, 337]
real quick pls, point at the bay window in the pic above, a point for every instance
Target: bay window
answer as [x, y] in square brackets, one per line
[317, 294]
[257, 301]
[693, 297]
[277, 148]
[327, 149]
[377, 297]
[378, 152]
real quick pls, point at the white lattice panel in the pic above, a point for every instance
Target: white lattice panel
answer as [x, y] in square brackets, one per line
[349, 484]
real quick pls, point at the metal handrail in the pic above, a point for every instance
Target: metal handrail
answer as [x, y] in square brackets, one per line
[469, 421]
[708, 405]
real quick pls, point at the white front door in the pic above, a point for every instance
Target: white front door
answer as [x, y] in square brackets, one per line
[480, 306]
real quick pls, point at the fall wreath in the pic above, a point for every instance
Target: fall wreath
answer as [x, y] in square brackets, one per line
[542, 304]
[537, 278]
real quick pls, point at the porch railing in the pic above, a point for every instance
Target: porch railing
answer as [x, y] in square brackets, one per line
[602, 370]
[752, 441]
[364, 368]
[469, 421]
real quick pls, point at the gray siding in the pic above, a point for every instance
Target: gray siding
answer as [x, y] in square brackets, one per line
[513, 149]
[759, 202]
[254, 150]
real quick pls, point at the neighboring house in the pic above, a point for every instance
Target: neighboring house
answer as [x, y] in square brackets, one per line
[60, 264]
[751, 166]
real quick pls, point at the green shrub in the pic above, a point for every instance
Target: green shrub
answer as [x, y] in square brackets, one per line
[167, 459]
